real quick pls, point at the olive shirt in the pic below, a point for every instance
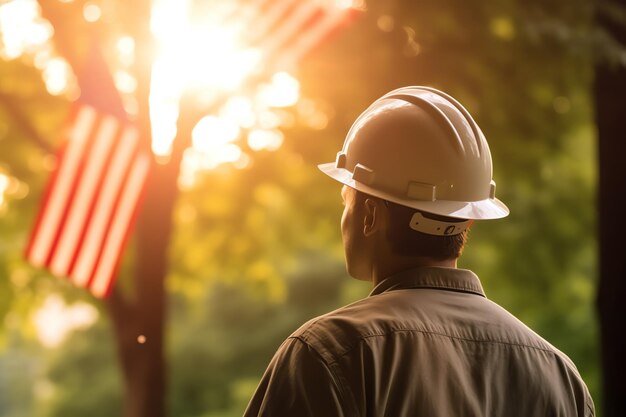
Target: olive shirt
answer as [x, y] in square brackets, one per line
[426, 342]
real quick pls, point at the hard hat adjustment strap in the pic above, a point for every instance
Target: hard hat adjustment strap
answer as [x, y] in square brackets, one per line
[437, 227]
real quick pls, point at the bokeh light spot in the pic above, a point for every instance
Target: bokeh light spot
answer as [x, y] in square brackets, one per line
[92, 12]
[503, 28]
[385, 23]
[561, 104]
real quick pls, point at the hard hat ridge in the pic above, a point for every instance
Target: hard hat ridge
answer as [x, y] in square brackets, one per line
[445, 99]
[439, 114]
[419, 147]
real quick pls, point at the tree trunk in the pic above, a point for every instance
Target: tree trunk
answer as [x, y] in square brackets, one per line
[140, 335]
[610, 103]
[138, 318]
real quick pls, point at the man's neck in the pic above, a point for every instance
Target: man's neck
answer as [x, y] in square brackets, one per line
[399, 264]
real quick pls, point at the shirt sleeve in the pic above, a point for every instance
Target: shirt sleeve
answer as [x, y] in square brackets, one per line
[297, 382]
[589, 406]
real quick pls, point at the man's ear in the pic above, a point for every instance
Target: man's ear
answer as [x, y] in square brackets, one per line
[371, 219]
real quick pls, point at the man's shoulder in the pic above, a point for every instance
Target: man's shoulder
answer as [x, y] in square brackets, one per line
[350, 318]
[481, 322]
[335, 333]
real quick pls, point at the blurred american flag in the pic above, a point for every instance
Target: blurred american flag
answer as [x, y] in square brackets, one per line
[93, 194]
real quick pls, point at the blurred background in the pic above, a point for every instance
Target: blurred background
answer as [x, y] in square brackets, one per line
[238, 242]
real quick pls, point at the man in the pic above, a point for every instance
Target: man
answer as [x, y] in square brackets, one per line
[417, 171]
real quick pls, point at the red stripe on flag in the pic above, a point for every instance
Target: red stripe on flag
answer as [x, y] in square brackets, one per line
[287, 30]
[75, 183]
[77, 218]
[60, 192]
[291, 26]
[50, 184]
[44, 201]
[104, 206]
[125, 213]
[88, 210]
[247, 16]
[269, 19]
[323, 26]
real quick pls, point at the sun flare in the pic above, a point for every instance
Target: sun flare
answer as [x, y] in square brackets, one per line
[244, 79]
[209, 55]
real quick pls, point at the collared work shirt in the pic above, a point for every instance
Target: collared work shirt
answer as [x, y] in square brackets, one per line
[426, 342]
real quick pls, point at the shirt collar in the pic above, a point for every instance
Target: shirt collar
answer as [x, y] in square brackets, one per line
[432, 277]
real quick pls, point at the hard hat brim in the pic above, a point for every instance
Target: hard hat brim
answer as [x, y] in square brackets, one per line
[490, 208]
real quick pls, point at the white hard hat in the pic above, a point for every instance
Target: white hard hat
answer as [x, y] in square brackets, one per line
[418, 147]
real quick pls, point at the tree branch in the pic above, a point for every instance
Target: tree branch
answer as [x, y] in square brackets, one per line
[19, 119]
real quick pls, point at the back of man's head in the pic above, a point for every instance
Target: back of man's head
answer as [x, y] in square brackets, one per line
[407, 242]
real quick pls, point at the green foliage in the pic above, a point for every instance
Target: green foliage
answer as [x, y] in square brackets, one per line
[20, 365]
[84, 377]
[27, 165]
[222, 345]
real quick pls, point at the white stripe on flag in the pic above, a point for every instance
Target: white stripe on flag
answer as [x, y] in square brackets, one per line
[96, 231]
[290, 27]
[60, 189]
[269, 19]
[246, 14]
[311, 37]
[123, 216]
[83, 198]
